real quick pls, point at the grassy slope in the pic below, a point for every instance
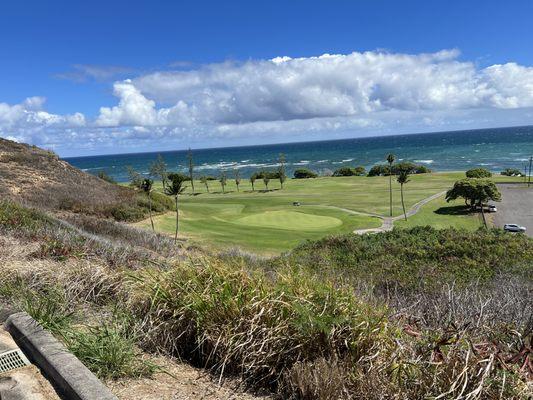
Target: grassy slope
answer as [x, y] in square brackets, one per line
[247, 218]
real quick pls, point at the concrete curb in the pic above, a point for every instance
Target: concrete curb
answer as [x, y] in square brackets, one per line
[68, 375]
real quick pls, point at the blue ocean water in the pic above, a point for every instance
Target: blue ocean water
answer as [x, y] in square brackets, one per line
[494, 149]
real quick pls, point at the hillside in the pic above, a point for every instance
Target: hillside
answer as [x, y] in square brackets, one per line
[39, 178]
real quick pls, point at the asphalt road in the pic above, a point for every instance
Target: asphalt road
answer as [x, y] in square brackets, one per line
[516, 206]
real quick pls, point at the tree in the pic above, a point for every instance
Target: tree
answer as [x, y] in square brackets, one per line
[204, 180]
[134, 177]
[266, 179]
[146, 187]
[253, 177]
[223, 180]
[159, 169]
[474, 191]
[191, 168]
[403, 178]
[237, 178]
[478, 173]
[390, 160]
[304, 173]
[281, 170]
[175, 188]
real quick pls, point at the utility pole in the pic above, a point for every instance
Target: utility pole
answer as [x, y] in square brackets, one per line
[529, 178]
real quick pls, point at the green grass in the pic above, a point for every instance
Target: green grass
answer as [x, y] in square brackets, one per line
[267, 222]
[440, 214]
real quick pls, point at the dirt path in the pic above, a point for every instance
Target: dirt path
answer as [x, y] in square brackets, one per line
[387, 222]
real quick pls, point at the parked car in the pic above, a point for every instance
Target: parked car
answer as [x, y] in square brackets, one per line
[492, 208]
[514, 228]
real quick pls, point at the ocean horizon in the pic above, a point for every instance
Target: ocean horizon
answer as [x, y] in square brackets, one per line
[494, 149]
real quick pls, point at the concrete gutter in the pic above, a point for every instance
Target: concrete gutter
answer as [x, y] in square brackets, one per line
[68, 375]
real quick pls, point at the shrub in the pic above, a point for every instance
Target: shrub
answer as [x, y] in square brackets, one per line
[126, 213]
[478, 173]
[103, 175]
[406, 166]
[304, 173]
[178, 176]
[348, 171]
[511, 172]
[344, 171]
[266, 174]
[360, 171]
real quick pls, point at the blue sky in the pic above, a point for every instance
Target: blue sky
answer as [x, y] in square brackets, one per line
[175, 74]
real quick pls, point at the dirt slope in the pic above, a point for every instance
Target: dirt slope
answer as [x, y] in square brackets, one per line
[37, 177]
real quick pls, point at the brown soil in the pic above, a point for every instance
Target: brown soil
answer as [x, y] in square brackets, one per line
[178, 382]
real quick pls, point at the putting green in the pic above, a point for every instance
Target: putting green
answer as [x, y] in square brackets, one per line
[290, 220]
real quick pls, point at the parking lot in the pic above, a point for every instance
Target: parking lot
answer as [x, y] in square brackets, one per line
[516, 206]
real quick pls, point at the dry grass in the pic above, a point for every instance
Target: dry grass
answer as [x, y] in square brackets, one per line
[297, 331]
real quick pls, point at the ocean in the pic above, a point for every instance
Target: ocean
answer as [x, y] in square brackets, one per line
[494, 149]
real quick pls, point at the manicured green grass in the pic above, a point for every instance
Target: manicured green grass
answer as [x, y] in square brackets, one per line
[440, 214]
[267, 222]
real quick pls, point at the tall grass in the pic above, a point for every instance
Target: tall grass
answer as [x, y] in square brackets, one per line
[422, 314]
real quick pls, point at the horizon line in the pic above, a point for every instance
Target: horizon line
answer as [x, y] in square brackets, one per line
[295, 142]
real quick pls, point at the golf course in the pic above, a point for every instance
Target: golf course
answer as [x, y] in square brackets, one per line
[266, 221]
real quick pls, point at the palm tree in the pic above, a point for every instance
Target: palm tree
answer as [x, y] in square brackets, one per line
[266, 179]
[205, 181]
[237, 179]
[281, 169]
[390, 160]
[175, 188]
[223, 180]
[146, 187]
[403, 178]
[191, 168]
[252, 180]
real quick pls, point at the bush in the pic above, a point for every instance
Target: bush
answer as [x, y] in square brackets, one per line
[267, 174]
[103, 175]
[348, 171]
[360, 171]
[421, 257]
[304, 173]
[511, 172]
[407, 166]
[478, 173]
[344, 171]
[178, 176]
[126, 213]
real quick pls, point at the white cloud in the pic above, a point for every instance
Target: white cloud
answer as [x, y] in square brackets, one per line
[287, 99]
[357, 84]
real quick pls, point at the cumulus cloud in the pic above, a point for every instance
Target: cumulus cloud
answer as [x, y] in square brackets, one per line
[290, 98]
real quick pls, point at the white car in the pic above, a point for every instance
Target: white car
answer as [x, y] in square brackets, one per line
[514, 228]
[492, 208]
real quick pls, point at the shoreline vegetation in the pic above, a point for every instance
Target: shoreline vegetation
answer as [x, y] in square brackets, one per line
[415, 312]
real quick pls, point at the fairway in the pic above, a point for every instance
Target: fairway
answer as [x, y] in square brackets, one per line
[266, 222]
[290, 220]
